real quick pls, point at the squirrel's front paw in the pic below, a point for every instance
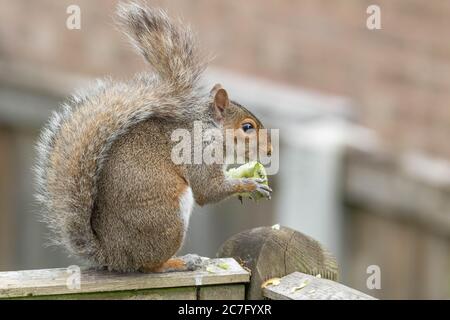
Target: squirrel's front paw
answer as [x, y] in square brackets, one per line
[259, 188]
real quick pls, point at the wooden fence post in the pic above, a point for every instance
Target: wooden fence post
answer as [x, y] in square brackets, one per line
[272, 252]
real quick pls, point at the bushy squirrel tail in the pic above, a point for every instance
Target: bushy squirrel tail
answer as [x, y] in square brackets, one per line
[171, 49]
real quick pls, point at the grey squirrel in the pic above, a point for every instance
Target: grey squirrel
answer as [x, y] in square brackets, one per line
[111, 193]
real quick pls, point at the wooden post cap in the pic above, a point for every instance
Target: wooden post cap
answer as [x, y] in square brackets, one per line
[274, 252]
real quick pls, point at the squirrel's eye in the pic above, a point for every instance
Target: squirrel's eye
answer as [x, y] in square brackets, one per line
[247, 126]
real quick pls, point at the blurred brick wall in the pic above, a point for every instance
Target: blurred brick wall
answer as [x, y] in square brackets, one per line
[399, 76]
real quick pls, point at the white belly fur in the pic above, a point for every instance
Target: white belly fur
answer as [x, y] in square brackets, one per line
[186, 205]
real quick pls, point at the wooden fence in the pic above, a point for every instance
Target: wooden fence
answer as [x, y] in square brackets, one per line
[274, 263]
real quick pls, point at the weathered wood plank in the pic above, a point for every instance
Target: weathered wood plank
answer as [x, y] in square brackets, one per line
[300, 286]
[182, 293]
[222, 292]
[54, 281]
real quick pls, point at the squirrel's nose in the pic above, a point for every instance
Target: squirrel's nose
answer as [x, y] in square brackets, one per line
[269, 151]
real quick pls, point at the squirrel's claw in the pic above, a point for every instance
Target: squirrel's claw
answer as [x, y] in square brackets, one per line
[264, 190]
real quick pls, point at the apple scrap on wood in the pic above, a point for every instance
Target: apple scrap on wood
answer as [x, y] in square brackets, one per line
[253, 170]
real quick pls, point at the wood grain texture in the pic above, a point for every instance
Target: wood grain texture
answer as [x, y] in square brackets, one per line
[222, 292]
[181, 293]
[54, 281]
[300, 286]
[271, 253]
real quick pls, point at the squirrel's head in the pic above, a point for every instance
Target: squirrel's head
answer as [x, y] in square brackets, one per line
[245, 125]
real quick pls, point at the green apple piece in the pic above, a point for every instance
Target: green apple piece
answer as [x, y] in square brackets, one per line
[252, 169]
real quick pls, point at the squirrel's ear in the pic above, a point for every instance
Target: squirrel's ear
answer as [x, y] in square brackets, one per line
[221, 99]
[214, 89]
[220, 103]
